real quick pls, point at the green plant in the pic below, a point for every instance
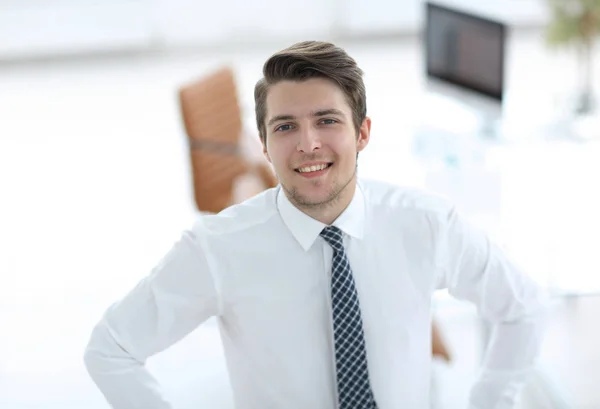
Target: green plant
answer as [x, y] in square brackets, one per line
[576, 23]
[573, 22]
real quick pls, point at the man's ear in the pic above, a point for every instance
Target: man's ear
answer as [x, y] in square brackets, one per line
[364, 135]
[265, 152]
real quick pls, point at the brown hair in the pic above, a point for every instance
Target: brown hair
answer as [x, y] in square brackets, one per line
[310, 59]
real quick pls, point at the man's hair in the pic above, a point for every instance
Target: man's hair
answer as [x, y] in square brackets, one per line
[312, 59]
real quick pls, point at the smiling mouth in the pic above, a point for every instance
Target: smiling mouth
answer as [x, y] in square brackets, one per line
[314, 168]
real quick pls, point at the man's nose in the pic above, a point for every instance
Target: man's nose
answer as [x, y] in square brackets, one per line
[309, 140]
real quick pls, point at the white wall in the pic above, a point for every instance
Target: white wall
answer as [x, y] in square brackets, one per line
[375, 16]
[185, 22]
[34, 27]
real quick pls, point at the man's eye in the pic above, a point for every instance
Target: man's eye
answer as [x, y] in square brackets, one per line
[329, 121]
[283, 128]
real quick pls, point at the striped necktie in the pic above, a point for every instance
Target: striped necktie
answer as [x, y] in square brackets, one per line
[354, 389]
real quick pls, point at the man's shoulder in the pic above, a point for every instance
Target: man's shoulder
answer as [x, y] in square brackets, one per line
[253, 212]
[388, 196]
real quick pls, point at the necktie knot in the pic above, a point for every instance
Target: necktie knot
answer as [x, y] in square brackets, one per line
[333, 236]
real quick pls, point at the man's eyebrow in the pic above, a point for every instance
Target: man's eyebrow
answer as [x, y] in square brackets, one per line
[280, 118]
[318, 113]
[325, 112]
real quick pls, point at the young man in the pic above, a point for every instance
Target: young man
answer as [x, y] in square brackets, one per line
[322, 285]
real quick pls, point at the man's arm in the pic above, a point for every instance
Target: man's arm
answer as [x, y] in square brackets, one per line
[474, 269]
[173, 300]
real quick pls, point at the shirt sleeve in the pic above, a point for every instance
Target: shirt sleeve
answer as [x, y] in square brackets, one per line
[474, 269]
[178, 295]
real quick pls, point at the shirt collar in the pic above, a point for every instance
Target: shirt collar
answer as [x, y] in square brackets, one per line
[306, 229]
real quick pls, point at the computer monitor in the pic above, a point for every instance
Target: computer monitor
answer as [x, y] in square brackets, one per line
[464, 61]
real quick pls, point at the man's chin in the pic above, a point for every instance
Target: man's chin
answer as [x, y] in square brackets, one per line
[320, 192]
[311, 199]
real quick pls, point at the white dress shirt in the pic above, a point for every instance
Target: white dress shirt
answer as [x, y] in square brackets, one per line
[263, 270]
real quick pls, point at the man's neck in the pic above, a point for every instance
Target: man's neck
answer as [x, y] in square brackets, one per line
[329, 212]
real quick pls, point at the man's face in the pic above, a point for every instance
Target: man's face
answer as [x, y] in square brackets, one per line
[311, 140]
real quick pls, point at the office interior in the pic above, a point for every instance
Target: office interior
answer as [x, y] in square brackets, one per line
[96, 176]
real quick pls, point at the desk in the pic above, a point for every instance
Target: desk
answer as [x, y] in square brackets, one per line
[538, 197]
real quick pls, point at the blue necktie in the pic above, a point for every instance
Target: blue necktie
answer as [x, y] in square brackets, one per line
[354, 389]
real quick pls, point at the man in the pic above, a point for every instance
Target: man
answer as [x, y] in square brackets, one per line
[322, 285]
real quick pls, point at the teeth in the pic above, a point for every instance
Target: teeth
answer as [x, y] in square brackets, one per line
[312, 168]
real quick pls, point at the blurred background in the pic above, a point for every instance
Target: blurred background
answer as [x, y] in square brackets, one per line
[490, 103]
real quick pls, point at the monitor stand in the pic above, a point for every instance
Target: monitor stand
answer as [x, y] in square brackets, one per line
[489, 127]
[464, 109]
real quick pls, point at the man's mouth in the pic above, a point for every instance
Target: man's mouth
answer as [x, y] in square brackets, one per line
[314, 168]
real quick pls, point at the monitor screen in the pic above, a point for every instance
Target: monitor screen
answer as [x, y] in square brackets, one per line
[465, 50]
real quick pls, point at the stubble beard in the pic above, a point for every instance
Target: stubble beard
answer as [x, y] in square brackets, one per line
[333, 197]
